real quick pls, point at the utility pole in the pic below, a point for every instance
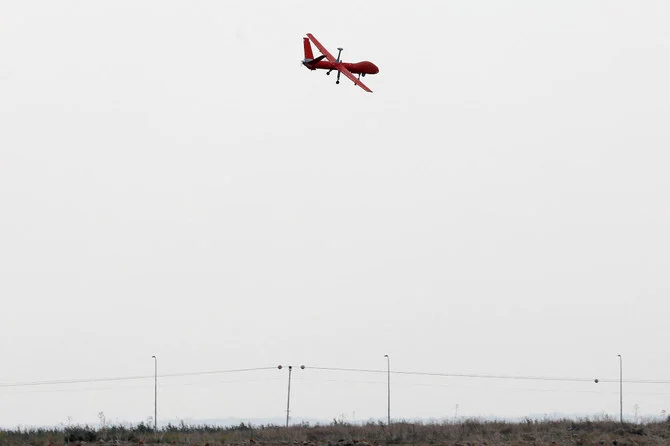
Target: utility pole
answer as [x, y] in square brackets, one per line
[620, 389]
[288, 398]
[388, 390]
[155, 393]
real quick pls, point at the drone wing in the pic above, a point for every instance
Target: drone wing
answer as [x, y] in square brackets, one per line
[321, 48]
[353, 78]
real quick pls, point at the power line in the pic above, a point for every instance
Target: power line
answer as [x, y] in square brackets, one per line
[414, 384]
[484, 376]
[127, 378]
[332, 369]
[336, 381]
[136, 387]
[452, 386]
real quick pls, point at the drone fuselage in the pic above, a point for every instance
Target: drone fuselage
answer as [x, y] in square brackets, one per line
[363, 67]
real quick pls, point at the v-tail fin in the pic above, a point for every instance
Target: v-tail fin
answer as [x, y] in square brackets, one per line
[309, 55]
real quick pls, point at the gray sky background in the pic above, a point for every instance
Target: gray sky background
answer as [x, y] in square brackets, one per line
[174, 183]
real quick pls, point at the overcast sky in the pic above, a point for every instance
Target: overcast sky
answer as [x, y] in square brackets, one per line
[174, 183]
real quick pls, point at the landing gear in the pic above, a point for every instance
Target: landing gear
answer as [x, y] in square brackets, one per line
[338, 61]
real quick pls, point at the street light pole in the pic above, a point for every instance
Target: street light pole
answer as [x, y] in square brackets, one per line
[155, 393]
[620, 389]
[388, 390]
[288, 397]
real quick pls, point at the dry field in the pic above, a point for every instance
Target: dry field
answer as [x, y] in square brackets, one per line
[466, 433]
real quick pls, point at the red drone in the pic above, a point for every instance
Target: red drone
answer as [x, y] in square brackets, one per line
[360, 68]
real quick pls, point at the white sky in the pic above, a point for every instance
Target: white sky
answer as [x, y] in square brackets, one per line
[174, 183]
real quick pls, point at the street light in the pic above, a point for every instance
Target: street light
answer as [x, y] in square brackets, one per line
[620, 389]
[155, 393]
[388, 391]
[288, 398]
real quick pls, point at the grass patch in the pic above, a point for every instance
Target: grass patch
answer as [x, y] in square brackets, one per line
[463, 433]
